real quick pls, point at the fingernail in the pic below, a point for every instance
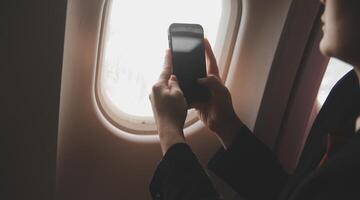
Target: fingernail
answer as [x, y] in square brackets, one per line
[173, 77]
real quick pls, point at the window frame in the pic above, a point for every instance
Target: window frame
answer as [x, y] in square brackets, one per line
[223, 49]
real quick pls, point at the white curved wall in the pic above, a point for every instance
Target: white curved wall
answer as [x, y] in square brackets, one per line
[260, 30]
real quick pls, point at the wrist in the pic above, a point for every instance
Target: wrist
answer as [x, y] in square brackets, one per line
[170, 137]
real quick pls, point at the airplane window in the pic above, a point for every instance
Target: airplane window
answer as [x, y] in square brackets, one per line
[335, 70]
[133, 43]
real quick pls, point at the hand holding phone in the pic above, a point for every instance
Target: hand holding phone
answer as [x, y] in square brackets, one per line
[186, 42]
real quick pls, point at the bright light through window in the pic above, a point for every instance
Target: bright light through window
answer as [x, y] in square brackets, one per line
[335, 70]
[135, 44]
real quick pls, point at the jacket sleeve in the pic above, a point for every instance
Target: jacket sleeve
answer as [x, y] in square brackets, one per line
[250, 168]
[179, 176]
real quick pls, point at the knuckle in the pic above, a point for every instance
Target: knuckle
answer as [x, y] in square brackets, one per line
[213, 78]
[178, 93]
[156, 87]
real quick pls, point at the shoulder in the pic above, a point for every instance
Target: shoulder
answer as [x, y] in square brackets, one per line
[336, 179]
[344, 89]
[342, 102]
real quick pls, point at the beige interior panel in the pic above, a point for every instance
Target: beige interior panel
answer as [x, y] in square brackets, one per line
[93, 162]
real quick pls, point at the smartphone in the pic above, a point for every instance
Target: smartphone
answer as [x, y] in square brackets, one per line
[186, 42]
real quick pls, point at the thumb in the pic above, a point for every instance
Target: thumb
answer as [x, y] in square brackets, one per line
[212, 82]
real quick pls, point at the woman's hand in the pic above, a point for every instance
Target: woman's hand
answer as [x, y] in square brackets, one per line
[169, 107]
[218, 113]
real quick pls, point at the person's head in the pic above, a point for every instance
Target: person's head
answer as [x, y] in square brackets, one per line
[341, 29]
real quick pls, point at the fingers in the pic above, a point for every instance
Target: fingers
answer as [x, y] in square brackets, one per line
[212, 67]
[171, 86]
[212, 82]
[165, 74]
[173, 82]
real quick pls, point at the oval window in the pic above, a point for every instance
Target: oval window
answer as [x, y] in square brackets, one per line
[132, 47]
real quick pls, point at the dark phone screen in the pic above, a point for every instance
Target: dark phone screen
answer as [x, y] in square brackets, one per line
[187, 45]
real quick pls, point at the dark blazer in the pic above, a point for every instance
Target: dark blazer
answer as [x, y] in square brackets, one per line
[253, 171]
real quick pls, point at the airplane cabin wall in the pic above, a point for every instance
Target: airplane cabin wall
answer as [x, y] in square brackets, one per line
[93, 161]
[31, 41]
